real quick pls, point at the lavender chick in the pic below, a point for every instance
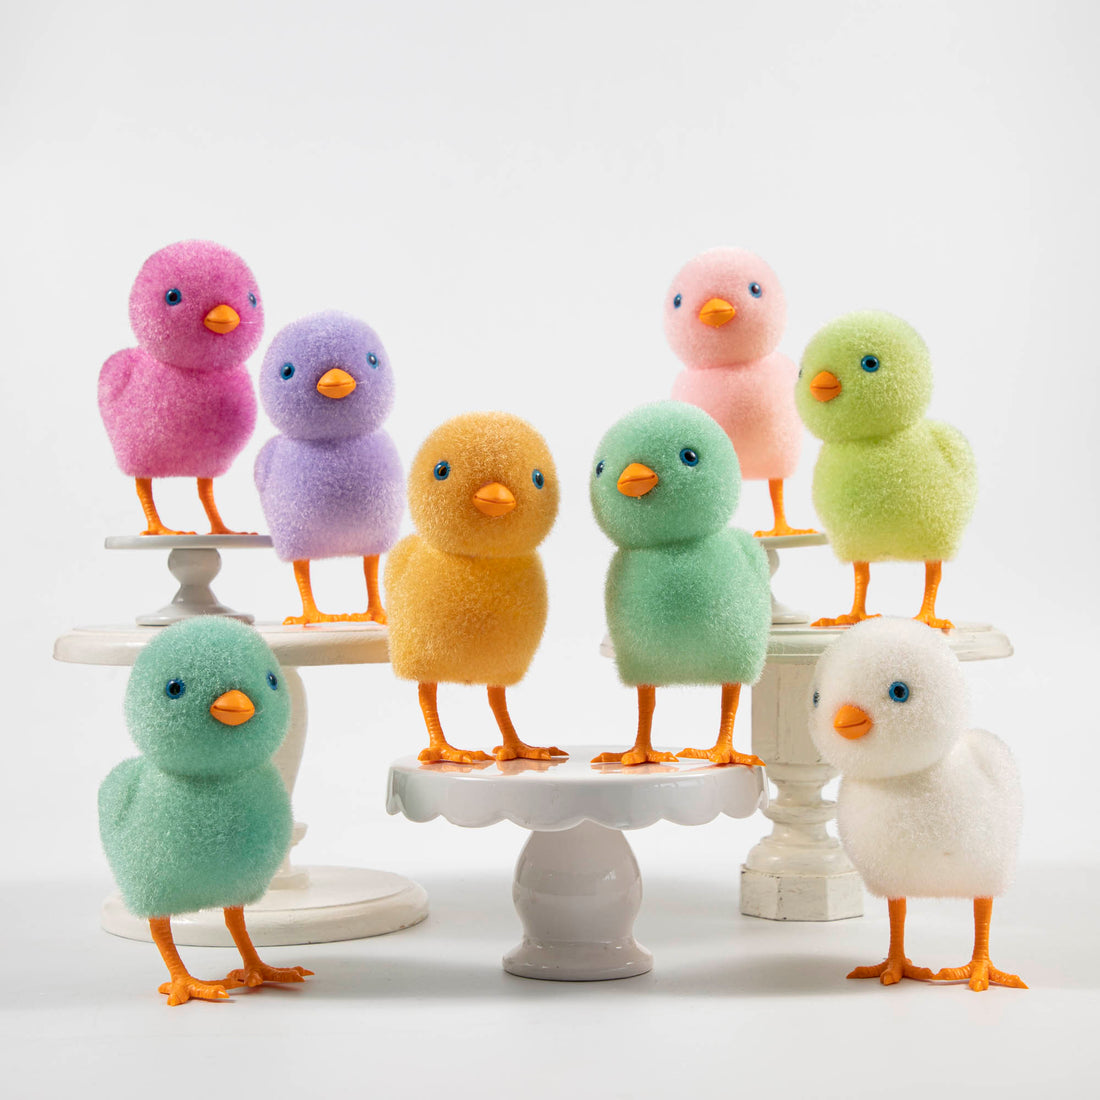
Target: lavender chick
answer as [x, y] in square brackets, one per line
[331, 484]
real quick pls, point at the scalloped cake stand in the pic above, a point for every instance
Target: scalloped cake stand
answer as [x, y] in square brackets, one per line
[577, 888]
[303, 904]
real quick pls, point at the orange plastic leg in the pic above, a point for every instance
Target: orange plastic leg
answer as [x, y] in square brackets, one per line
[255, 972]
[859, 602]
[927, 614]
[643, 751]
[309, 614]
[375, 612]
[206, 495]
[980, 970]
[513, 747]
[182, 986]
[896, 966]
[781, 526]
[153, 525]
[438, 749]
[723, 751]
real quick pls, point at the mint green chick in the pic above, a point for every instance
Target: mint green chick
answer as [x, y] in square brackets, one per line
[888, 484]
[202, 819]
[687, 597]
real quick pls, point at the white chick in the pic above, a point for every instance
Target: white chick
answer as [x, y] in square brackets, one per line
[927, 807]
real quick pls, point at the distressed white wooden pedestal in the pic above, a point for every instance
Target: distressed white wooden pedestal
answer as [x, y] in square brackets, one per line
[800, 871]
[577, 887]
[303, 904]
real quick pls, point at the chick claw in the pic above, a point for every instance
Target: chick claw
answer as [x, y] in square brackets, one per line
[981, 973]
[181, 990]
[452, 755]
[635, 756]
[930, 620]
[520, 751]
[160, 529]
[722, 755]
[371, 615]
[315, 617]
[783, 529]
[893, 970]
[845, 620]
[252, 976]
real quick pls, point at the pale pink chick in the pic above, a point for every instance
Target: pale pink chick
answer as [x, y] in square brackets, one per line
[724, 317]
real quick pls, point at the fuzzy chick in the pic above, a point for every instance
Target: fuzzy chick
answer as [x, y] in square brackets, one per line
[201, 819]
[926, 807]
[467, 595]
[888, 484]
[687, 598]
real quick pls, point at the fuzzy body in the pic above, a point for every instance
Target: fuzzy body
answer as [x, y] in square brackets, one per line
[178, 843]
[697, 612]
[951, 830]
[329, 498]
[907, 496]
[461, 619]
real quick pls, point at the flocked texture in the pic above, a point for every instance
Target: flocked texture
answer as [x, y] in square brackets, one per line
[687, 599]
[181, 404]
[202, 819]
[734, 371]
[466, 594]
[332, 483]
[927, 807]
[888, 484]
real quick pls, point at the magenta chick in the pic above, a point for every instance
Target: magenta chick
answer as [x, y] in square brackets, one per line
[181, 404]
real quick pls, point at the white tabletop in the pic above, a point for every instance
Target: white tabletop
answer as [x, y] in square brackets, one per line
[549, 796]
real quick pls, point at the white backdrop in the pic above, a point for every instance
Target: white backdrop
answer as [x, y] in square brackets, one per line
[504, 192]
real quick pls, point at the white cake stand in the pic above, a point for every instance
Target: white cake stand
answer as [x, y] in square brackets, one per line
[781, 614]
[577, 887]
[303, 904]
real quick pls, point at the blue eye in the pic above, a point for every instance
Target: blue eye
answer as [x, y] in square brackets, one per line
[372, 359]
[688, 457]
[869, 363]
[273, 681]
[678, 301]
[252, 299]
[442, 470]
[174, 689]
[755, 289]
[599, 467]
[173, 297]
[287, 370]
[817, 697]
[899, 691]
[538, 479]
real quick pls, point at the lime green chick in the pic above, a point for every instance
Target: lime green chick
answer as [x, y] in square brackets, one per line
[889, 484]
[687, 598]
[201, 819]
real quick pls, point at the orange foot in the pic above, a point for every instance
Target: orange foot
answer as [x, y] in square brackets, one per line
[930, 619]
[980, 972]
[519, 751]
[722, 754]
[259, 973]
[431, 755]
[181, 990]
[635, 756]
[371, 615]
[845, 620]
[893, 970]
[160, 529]
[221, 529]
[312, 617]
[783, 529]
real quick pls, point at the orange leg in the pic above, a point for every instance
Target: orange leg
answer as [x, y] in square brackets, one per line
[206, 495]
[896, 966]
[859, 602]
[723, 751]
[182, 986]
[980, 970]
[643, 751]
[309, 614]
[438, 749]
[927, 613]
[513, 747]
[781, 526]
[375, 611]
[145, 495]
[255, 972]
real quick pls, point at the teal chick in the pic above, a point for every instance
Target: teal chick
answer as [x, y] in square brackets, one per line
[201, 819]
[687, 597]
[888, 484]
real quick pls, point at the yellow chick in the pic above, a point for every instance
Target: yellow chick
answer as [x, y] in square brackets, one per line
[466, 593]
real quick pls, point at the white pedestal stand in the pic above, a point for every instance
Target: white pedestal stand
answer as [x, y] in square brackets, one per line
[799, 871]
[303, 904]
[781, 614]
[577, 888]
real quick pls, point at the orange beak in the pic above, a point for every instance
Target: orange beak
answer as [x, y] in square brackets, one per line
[335, 383]
[234, 708]
[636, 480]
[825, 385]
[852, 722]
[717, 312]
[222, 319]
[494, 499]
